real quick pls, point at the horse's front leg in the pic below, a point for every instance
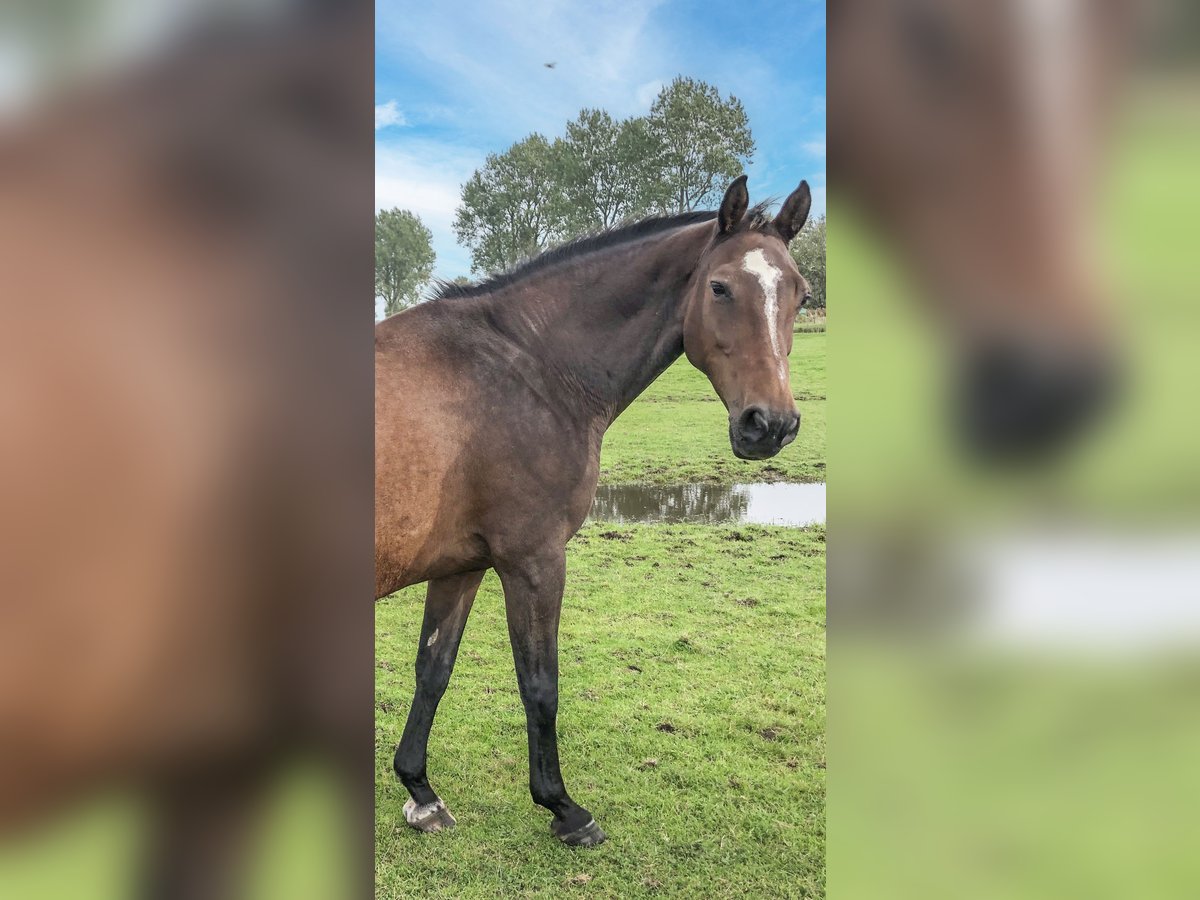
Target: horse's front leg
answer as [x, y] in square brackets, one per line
[533, 590]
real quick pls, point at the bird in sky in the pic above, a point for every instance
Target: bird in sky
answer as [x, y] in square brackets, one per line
[550, 65]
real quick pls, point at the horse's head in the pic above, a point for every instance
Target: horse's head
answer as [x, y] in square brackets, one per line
[743, 299]
[970, 131]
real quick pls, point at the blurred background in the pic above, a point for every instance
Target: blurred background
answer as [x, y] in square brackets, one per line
[185, 449]
[1014, 582]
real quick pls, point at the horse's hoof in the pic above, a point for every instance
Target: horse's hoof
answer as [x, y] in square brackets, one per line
[589, 835]
[430, 818]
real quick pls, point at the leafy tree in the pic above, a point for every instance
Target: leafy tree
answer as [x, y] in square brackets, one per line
[603, 172]
[703, 142]
[404, 258]
[514, 206]
[808, 251]
[610, 171]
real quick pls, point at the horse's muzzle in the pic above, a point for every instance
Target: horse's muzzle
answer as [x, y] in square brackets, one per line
[1015, 405]
[759, 433]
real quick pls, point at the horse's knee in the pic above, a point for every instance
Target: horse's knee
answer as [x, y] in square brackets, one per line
[541, 701]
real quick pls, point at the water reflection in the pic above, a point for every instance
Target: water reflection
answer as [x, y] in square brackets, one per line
[710, 504]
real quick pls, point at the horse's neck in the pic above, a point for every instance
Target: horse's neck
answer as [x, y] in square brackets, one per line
[607, 329]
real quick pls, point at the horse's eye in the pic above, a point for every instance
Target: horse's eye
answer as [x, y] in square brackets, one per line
[806, 301]
[718, 289]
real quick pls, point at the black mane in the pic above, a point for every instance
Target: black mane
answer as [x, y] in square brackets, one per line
[756, 220]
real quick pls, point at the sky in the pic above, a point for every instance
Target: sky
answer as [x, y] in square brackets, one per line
[457, 81]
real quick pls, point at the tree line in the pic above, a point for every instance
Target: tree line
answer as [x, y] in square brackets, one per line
[603, 172]
[600, 173]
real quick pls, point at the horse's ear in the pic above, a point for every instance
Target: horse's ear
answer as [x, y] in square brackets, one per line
[734, 206]
[794, 213]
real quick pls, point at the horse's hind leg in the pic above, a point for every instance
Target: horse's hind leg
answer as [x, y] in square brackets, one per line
[204, 826]
[447, 604]
[533, 591]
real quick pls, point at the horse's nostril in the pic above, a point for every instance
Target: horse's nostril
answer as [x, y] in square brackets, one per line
[1016, 404]
[753, 424]
[791, 428]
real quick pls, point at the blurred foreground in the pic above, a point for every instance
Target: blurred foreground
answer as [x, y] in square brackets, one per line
[185, 449]
[1014, 676]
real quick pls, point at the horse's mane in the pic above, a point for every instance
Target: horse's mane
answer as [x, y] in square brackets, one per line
[757, 219]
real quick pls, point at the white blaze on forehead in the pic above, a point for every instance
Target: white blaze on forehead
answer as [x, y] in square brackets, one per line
[1049, 62]
[756, 263]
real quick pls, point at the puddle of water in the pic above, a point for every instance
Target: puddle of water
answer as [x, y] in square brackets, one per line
[709, 504]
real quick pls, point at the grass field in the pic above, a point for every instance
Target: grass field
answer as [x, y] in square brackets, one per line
[692, 691]
[678, 431]
[691, 723]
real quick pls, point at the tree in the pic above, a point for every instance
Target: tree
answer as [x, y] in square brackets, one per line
[603, 172]
[404, 258]
[703, 142]
[513, 207]
[808, 251]
[610, 171]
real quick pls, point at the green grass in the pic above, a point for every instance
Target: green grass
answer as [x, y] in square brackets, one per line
[678, 431]
[692, 721]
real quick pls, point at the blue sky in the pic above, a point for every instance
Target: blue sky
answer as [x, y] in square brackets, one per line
[456, 81]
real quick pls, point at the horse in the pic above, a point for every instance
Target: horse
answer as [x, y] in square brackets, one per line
[491, 404]
[177, 538]
[970, 134]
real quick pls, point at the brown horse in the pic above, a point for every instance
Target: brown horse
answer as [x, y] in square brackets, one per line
[972, 134]
[492, 402]
[176, 538]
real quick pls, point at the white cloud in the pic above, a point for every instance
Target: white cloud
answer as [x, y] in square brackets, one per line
[646, 93]
[388, 114]
[426, 177]
[815, 148]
